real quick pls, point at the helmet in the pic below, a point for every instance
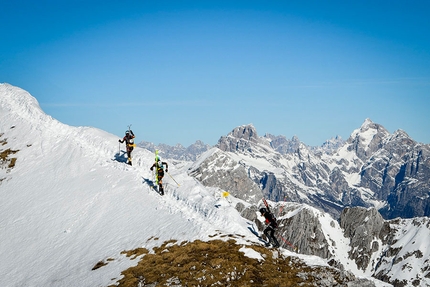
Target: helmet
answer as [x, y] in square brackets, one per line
[127, 132]
[263, 210]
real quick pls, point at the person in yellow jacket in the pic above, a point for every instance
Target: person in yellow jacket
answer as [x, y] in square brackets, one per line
[129, 143]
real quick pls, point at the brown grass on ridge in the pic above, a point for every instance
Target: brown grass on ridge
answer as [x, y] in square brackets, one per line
[4, 157]
[218, 263]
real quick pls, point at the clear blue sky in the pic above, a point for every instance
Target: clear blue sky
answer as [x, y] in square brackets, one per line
[180, 71]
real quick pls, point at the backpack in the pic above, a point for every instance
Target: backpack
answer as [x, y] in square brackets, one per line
[272, 220]
[160, 165]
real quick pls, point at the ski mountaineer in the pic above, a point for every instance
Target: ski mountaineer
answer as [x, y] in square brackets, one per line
[129, 143]
[269, 231]
[159, 172]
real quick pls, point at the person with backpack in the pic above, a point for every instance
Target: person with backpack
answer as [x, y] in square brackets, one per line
[159, 172]
[129, 143]
[269, 231]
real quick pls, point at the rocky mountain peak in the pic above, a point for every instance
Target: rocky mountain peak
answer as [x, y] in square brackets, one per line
[329, 146]
[246, 132]
[367, 139]
[367, 122]
[241, 139]
[401, 135]
[199, 143]
[283, 145]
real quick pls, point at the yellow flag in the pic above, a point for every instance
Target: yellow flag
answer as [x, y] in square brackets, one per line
[225, 194]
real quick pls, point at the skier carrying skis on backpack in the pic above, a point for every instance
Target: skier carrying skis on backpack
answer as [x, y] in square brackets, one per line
[269, 231]
[159, 172]
[129, 143]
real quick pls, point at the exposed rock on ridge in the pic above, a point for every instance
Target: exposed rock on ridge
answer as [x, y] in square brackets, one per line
[372, 168]
[372, 242]
[216, 169]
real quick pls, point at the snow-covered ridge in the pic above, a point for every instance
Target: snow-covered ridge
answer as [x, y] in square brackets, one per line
[365, 170]
[70, 201]
[17, 101]
[24, 111]
[373, 168]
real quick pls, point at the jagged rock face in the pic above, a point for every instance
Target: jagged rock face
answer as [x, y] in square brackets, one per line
[363, 227]
[304, 229]
[389, 249]
[273, 188]
[399, 173]
[372, 168]
[242, 139]
[282, 145]
[216, 169]
[329, 146]
[406, 256]
[367, 140]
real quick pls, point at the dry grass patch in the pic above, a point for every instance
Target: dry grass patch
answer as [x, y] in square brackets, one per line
[4, 158]
[3, 141]
[220, 263]
[135, 253]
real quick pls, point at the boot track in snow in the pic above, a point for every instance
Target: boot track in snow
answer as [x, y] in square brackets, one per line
[153, 186]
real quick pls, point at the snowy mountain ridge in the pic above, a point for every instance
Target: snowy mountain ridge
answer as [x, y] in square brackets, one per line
[69, 201]
[280, 143]
[177, 152]
[370, 169]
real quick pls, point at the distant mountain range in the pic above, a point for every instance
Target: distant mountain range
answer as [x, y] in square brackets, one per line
[373, 168]
[178, 152]
[351, 180]
[279, 143]
[64, 215]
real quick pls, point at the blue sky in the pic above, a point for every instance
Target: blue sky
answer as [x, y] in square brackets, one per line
[181, 71]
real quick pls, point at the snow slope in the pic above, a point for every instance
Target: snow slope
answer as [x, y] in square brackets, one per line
[70, 201]
[67, 204]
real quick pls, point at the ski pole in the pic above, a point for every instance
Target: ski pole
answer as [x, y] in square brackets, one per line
[172, 178]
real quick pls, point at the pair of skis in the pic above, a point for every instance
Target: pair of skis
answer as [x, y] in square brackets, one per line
[157, 185]
[132, 142]
[283, 239]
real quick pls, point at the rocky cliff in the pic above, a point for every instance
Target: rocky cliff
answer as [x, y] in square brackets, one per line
[395, 251]
[373, 168]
